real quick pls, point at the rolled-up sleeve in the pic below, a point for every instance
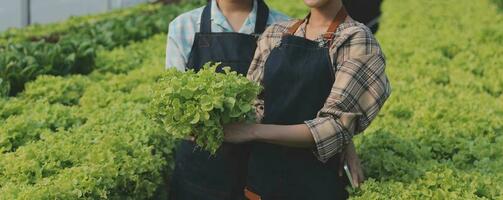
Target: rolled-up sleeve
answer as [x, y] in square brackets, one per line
[359, 91]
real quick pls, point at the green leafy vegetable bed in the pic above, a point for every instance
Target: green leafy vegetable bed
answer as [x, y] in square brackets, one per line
[440, 136]
[75, 51]
[84, 137]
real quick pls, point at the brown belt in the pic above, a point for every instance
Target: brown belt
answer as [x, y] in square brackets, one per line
[251, 195]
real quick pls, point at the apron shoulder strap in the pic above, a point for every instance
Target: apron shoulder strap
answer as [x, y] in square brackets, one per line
[262, 17]
[338, 20]
[205, 25]
[260, 24]
[329, 35]
[292, 29]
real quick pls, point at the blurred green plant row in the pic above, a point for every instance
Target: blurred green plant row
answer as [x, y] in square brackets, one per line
[70, 47]
[36, 32]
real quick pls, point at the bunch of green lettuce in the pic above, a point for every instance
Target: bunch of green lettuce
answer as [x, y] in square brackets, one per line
[199, 104]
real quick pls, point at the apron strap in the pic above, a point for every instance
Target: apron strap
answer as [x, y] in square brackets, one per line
[260, 23]
[262, 17]
[296, 25]
[329, 35]
[338, 20]
[251, 195]
[205, 26]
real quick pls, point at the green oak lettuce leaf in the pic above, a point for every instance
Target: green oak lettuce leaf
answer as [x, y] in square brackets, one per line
[199, 104]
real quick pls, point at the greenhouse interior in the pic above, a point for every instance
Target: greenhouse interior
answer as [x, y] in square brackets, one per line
[251, 99]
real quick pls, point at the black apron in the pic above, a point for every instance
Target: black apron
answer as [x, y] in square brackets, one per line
[298, 78]
[199, 175]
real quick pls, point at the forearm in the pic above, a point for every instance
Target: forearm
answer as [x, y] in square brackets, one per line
[297, 135]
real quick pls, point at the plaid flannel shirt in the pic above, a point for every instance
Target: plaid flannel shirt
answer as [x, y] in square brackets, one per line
[360, 89]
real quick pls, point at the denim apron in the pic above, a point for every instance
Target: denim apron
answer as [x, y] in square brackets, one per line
[298, 77]
[199, 175]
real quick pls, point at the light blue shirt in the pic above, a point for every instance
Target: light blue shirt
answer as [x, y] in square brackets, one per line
[183, 29]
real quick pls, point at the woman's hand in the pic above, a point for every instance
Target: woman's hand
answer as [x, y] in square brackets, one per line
[349, 155]
[239, 132]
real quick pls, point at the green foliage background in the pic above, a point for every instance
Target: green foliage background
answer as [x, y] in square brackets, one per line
[439, 136]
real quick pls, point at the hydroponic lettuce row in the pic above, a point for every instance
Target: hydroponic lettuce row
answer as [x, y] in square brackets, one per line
[199, 104]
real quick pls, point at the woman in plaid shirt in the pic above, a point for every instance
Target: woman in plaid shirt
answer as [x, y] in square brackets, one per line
[324, 82]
